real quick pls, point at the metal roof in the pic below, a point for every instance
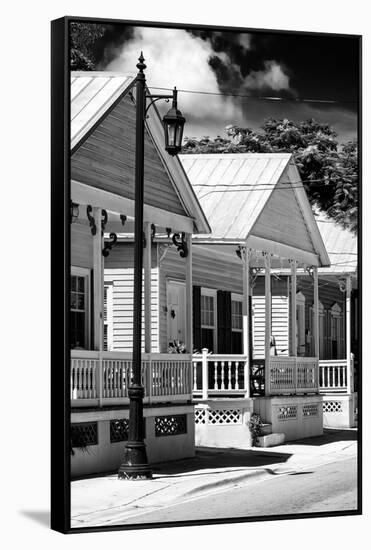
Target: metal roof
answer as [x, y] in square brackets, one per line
[233, 188]
[92, 93]
[341, 245]
[244, 198]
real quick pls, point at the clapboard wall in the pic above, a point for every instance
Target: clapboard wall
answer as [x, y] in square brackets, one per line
[119, 271]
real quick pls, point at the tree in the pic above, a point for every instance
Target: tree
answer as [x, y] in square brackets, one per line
[329, 171]
[84, 38]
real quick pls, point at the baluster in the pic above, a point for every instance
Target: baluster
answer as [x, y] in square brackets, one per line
[79, 395]
[229, 375]
[222, 377]
[236, 367]
[194, 376]
[215, 375]
[344, 384]
[93, 381]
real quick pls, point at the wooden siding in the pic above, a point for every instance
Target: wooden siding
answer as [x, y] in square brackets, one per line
[119, 270]
[81, 246]
[106, 160]
[282, 221]
[280, 317]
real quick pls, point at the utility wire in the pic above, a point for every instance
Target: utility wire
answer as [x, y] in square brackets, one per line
[260, 97]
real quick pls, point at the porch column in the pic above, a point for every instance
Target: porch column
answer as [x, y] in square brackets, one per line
[268, 319]
[293, 308]
[348, 336]
[98, 299]
[97, 282]
[189, 301]
[147, 264]
[316, 313]
[246, 319]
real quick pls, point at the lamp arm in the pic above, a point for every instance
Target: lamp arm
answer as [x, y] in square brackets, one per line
[155, 98]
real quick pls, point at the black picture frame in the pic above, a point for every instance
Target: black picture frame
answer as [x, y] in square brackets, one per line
[60, 271]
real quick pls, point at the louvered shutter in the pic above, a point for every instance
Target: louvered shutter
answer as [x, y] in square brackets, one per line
[224, 319]
[196, 302]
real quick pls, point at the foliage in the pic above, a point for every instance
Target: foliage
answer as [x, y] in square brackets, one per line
[84, 38]
[329, 171]
[255, 427]
[176, 346]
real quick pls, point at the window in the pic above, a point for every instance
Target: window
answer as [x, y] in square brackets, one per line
[79, 308]
[108, 318]
[236, 305]
[208, 319]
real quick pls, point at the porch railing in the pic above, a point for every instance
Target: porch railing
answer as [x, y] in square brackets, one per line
[293, 375]
[104, 378]
[219, 375]
[335, 376]
[228, 375]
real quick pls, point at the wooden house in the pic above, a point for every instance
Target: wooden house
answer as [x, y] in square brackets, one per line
[261, 221]
[102, 192]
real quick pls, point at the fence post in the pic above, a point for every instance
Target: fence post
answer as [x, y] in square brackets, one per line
[205, 374]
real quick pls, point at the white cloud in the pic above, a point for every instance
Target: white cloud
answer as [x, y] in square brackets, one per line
[175, 58]
[272, 76]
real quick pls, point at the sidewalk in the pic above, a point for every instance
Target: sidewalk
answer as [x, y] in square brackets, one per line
[105, 500]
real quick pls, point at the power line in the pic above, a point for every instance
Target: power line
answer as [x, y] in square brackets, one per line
[260, 97]
[282, 183]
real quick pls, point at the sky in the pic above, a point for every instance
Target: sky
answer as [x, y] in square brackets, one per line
[232, 66]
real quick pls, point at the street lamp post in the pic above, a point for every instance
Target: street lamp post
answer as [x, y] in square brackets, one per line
[135, 464]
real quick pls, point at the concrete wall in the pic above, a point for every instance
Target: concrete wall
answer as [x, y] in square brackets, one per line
[107, 456]
[295, 416]
[223, 423]
[339, 411]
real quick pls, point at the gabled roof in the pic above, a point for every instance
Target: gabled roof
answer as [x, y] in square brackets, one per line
[341, 245]
[95, 96]
[93, 93]
[257, 199]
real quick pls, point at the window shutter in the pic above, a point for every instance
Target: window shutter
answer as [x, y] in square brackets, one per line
[196, 299]
[224, 311]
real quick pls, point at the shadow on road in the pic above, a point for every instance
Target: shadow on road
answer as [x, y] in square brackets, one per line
[211, 458]
[329, 436]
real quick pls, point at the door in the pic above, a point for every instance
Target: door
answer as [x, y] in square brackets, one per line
[176, 312]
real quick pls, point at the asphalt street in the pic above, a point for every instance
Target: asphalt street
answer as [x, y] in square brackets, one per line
[323, 488]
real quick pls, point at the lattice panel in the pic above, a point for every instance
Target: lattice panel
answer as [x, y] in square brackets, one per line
[310, 409]
[287, 412]
[228, 416]
[200, 416]
[84, 434]
[119, 430]
[171, 425]
[332, 406]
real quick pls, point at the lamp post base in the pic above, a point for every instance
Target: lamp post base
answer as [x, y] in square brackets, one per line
[135, 464]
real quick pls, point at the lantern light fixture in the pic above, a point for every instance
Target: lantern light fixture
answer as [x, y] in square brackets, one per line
[74, 211]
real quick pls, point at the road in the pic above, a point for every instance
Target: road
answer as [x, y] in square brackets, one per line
[323, 488]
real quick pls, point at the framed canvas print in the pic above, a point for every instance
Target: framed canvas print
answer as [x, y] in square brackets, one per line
[206, 293]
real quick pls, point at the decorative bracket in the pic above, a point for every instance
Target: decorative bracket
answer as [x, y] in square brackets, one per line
[104, 220]
[93, 227]
[109, 244]
[243, 253]
[168, 231]
[123, 219]
[267, 259]
[310, 271]
[254, 272]
[180, 243]
[343, 284]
